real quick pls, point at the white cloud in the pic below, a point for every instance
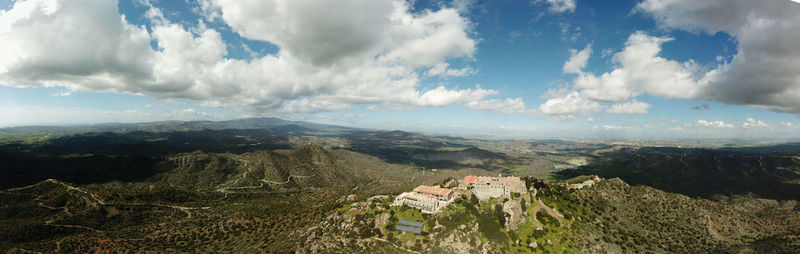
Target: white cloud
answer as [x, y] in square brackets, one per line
[211, 104]
[67, 93]
[577, 60]
[631, 107]
[590, 120]
[372, 108]
[675, 129]
[559, 6]
[19, 115]
[313, 105]
[641, 70]
[707, 124]
[374, 51]
[790, 125]
[403, 108]
[137, 113]
[507, 106]
[80, 44]
[751, 123]
[765, 71]
[569, 106]
[620, 128]
[442, 70]
[189, 114]
[606, 52]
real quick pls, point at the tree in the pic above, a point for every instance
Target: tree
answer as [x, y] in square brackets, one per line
[474, 200]
[501, 216]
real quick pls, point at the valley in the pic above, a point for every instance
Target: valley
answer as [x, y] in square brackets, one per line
[258, 185]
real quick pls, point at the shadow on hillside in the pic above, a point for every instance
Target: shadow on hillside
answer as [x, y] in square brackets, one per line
[701, 172]
[410, 148]
[133, 156]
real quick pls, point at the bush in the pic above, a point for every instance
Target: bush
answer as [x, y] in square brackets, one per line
[491, 229]
[501, 216]
[546, 219]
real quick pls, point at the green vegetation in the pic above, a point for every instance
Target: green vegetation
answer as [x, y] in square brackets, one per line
[510, 168]
[701, 172]
[267, 185]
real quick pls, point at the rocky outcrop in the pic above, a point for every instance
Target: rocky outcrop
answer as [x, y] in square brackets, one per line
[514, 214]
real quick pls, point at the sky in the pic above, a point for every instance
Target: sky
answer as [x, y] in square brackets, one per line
[682, 69]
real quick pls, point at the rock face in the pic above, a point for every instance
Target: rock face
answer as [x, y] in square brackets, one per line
[484, 194]
[381, 220]
[513, 209]
[462, 242]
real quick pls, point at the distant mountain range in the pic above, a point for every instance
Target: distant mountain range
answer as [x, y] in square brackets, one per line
[279, 126]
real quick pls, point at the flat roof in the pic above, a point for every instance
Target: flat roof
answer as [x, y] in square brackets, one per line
[407, 229]
[410, 223]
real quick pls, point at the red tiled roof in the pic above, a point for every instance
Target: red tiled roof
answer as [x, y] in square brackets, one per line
[433, 190]
[418, 197]
[471, 179]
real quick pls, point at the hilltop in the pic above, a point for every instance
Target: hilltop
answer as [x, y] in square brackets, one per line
[295, 187]
[611, 216]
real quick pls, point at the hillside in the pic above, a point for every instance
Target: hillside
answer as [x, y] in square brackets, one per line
[703, 172]
[610, 216]
[198, 201]
[268, 190]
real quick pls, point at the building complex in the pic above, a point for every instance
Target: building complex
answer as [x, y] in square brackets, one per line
[429, 199]
[487, 187]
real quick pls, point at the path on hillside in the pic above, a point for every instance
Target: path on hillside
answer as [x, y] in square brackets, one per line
[719, 164]
[395, 245]
[761, 164]
[228, 189]
[93, 197]
[685, 165]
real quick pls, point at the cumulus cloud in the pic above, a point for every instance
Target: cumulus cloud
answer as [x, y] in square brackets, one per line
[751, 123]
[81, 44]
[569, 106]
[507, 106]
[641, 70]
[708, 124]
[765, 71]
[578, 60]
[632, 107]
[790, 125]
[559, 6]
[332, 54]
[189, 113]
[638, 70]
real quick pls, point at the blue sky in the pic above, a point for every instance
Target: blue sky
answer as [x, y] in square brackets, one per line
[548, 68]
